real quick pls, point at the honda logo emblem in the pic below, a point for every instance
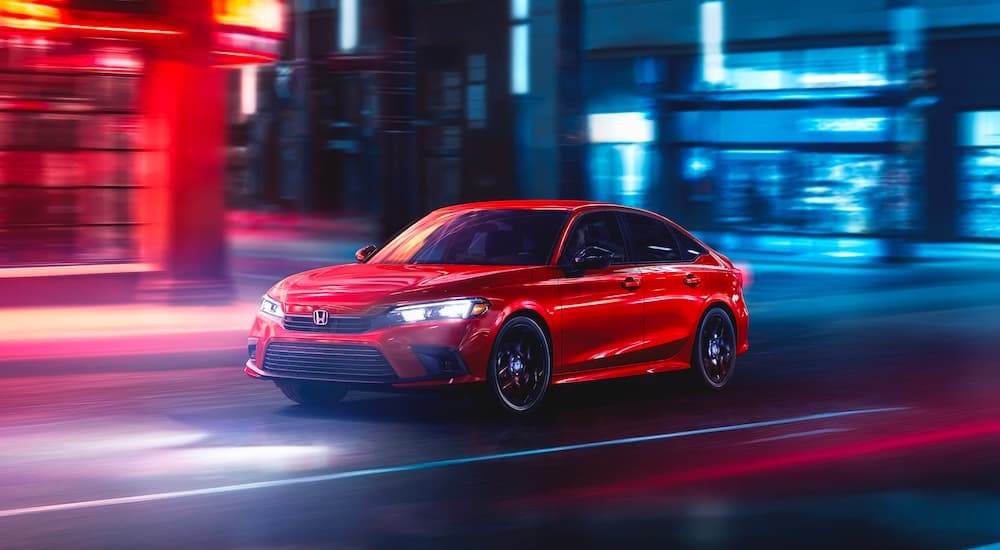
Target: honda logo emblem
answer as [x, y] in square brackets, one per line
[321, 317]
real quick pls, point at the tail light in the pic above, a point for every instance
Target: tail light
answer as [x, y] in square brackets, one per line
[743, 274]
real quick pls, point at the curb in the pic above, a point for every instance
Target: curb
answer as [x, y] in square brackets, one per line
[125, 364]
[138, 353]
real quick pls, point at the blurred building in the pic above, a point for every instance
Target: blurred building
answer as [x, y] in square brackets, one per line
[771, 124]
[385, 107]
[766, 122]
[112, 144]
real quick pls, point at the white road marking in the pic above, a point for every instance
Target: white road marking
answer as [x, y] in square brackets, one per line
[368, 472]
[797, 434]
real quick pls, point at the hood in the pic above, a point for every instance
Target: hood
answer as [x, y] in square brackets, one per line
[359, 288]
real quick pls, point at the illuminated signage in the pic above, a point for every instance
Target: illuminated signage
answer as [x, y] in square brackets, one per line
[30, 15]
[45, 15]
[261, 15]
[823, 80]
[867, 124]
[620, 128]
[249, 32]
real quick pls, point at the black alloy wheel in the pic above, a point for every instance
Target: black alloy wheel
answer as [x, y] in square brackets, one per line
[520, 365]
[714, 353]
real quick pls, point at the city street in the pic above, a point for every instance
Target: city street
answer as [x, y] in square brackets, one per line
[531, 193]
[865, 414]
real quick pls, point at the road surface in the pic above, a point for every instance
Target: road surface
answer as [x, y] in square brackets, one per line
[865, 415]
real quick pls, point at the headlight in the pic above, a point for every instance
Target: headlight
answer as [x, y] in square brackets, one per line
[436, 311]
[270, 306]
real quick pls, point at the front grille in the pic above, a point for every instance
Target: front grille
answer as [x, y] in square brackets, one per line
[337, 362]
[337, 324]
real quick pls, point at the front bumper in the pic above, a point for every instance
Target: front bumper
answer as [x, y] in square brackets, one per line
[422, 354]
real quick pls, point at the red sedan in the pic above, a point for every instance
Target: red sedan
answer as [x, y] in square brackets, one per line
[517, 294]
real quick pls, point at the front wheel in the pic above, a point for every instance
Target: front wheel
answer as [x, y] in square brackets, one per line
[312, 394]
[714, 355]
[520, 365]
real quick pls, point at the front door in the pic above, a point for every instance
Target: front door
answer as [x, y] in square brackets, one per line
[601, 309]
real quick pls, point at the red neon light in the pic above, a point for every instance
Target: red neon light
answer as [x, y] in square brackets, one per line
[126, 30]
[231, 59]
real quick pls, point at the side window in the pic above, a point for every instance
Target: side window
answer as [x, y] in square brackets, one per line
[689, 248]
[595, 229]
[652, 240]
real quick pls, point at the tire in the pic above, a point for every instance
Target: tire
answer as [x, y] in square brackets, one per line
[713, 357]
[312, 394]
[520, 368]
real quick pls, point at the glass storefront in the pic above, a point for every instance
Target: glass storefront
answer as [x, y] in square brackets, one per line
[796, 142]
[979, 175]
[839, 193]
[805, 171]
[752, 186]
[70, 147]
[791, 191]
[791, 142]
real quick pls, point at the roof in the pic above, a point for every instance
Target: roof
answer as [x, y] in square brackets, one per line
[533, 204]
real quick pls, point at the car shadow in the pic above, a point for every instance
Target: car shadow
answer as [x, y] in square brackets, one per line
[647, 395]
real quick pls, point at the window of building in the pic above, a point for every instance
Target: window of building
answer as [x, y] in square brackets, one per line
[979, 175]
[69, 153]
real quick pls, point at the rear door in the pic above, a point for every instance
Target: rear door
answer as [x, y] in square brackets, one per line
[674, 283]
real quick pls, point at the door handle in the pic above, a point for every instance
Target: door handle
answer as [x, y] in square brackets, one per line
[692, 280]
[630, 283]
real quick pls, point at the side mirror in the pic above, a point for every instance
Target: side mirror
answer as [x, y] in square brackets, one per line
[593, 257]
[364, 253]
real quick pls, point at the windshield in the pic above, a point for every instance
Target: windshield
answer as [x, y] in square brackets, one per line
[478, 237]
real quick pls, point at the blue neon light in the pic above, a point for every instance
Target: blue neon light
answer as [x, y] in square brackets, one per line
[819, 80]
[519, 9]
[713, 66]
[519, 66]
[861, 124]
[348, 15]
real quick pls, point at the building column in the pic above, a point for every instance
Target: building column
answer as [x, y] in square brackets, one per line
[185, 106]
[572, 149]
[902, 187]
[397, 117]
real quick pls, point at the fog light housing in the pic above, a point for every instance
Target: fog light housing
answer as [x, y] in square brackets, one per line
[440, 361]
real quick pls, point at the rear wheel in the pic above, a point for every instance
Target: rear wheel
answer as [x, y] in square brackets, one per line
[713, 358]
[312, 394]
[520, 365]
